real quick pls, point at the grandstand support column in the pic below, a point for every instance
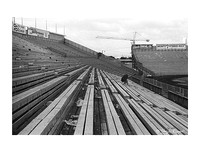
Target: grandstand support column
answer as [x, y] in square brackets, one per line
[141, 79]
[164, 90]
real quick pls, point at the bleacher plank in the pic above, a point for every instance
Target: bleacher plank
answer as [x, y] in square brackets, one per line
[82, 116]
[112, 88]
[26, 79]
[49, 121]
[182, 121]
[56, 128]
[183, 117]
[126, 95]
[118, 87]
[89, 118]
[136, 98]
[160, 128]
[140, 129]
[86, 113]
[158, 100]
[172, 104]
[25, 97]
[133, 125]
[176, 124]
[114, 124]
[26, 104]
[165, 124]
[111, 126]
[148, 116]
[35, 103]
[43, 114]
[29, 128]
[118, 124]
[151, 127]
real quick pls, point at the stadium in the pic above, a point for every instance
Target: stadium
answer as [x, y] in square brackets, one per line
[60, 87]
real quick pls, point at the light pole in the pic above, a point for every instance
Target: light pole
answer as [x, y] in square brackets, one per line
[35, 23]
[22, 20]
[46, 25]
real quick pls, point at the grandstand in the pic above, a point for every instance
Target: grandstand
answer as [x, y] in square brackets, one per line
[62, 88]
[167, 63]
[164, 62]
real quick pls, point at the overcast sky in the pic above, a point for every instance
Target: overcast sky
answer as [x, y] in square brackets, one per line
[85, 32]
[161, 22]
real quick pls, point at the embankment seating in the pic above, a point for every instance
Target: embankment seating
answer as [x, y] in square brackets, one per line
[30, 103]
[48, 121]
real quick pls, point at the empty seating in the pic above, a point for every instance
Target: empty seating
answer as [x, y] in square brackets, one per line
[85, 120]
[164, 62]
[22, 83]
[146, 108]
[29, 103]
[49, 77]
[45, 122]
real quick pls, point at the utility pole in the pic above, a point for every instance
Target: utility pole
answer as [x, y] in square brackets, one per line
[22, 20]
[13, 19]
[46, 25]
[56, 28]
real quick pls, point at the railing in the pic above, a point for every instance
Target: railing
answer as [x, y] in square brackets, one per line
[177, 90]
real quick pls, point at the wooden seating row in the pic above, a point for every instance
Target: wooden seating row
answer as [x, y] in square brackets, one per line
[85, 119]
[112, 88]
[30, 68]
[154, 122]
[49, 120]
[29, 102]
[21, 83]
[113, 122]
[41, 68]
[156, 119]
[160, 101]
[136, 125]
[151, 98]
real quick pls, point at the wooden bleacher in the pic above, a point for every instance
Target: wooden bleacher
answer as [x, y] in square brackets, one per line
[85, 120]
[48, 78]
[48, 120]
[20, 84]
[28, 104]
[149, 111]
[143, 115]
